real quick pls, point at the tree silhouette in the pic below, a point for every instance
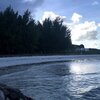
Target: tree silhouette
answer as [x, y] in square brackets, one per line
[55, 37]
[20, 34]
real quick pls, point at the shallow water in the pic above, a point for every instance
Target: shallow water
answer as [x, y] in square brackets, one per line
[75, 79]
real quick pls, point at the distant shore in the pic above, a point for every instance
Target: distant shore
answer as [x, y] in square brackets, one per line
[22, 55]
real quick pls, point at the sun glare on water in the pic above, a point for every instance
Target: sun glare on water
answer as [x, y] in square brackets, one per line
[81, 68]
[75, 69]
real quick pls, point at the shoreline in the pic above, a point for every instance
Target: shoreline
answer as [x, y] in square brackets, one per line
[27, 60]
[30, 55]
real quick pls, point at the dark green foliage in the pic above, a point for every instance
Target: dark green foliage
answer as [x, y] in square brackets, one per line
[55, 37]
[19, 34]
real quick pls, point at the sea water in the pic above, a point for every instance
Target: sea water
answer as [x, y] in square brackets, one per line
[69, 78]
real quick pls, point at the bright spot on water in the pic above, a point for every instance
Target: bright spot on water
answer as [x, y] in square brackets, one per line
[82, 68]
[75, 69]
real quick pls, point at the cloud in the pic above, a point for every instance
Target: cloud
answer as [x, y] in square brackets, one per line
[84, 31]
[95, 3]
[51, 15]
[76, 17]
[98, 24]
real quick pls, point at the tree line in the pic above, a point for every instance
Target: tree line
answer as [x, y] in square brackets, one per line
[21, 34]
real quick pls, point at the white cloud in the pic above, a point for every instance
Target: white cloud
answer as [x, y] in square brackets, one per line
[51, 15]
[95, 3]
[76, 17]
[98, 24]
[84, 31]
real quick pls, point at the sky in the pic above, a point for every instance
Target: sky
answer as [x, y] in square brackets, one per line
[81, 16]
